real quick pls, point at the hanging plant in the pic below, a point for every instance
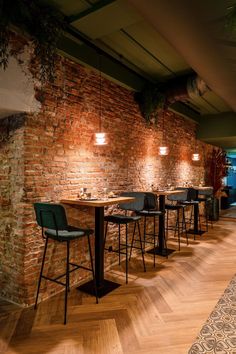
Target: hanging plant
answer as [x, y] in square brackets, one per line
[150, 99]
[230, 23]
[218, 169]
[42, 22]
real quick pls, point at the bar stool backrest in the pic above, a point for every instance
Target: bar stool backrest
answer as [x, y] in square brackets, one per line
[179, 197]
[150, 201]
[137, 204]
[192, 193]
[51, 216]
[207, 192]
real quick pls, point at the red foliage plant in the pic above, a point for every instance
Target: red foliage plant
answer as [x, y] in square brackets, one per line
[218, 169]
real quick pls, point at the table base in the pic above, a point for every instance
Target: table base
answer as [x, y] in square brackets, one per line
[165, 252]
[103, 290]
[198, 232]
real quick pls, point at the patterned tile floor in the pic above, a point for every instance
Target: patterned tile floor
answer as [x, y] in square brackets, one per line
[218, 335]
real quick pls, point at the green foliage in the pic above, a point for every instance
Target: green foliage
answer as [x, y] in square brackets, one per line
[149, 100]
[218, 169]
[230, 23]
[42, 21]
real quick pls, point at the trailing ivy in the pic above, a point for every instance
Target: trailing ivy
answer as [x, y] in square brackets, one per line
[230, 23]
[42, 21]
[218, 169]
[150, 99]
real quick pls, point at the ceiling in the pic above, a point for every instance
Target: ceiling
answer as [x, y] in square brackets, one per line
[156, 41]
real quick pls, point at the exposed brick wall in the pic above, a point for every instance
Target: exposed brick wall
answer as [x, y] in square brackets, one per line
[51, 155]
[12, 245]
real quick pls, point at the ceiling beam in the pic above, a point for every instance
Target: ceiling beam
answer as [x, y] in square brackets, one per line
[217, 126]
[148, 52]
[177, 21]
[88, 55]
[218, 129]
[97, 6]
[185, 111]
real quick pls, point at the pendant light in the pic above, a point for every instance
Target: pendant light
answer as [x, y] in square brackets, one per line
[100, 136]
[195, 155]
[163, 149]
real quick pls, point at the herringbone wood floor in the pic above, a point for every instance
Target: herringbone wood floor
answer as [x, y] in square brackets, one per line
[160, 311]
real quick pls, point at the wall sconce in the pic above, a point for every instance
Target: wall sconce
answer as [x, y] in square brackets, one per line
[100, 137]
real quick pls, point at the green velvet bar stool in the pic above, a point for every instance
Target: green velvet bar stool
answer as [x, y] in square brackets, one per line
[176, 205]
[150, 212]
[205, 196]
[53, 222]
[125, 219]
[191, 201]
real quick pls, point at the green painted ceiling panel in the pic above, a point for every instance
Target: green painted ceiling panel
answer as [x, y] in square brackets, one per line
[107, 20]
[203, 105]
[216, 101]
[144, 34]
[218, 129]
[70, 7]
[224, 142]
[133, 53]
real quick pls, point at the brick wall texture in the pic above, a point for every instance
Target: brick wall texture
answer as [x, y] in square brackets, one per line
[50, 155]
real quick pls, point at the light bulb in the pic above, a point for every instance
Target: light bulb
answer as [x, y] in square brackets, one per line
[163, 150]
[195, 157]
[100, 139]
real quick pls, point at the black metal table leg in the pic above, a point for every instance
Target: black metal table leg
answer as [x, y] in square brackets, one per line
[161, 250]
[103, 286]
[195, 229]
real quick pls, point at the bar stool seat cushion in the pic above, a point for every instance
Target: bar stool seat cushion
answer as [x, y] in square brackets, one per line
[66, 235]
[190, 202]
[121, 219]
[174, 206]
[150, 213]
[204, 199]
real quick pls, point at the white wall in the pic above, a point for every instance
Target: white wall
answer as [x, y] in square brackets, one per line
[17, 92]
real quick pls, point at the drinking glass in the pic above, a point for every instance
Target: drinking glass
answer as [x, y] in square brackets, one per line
[83, 192]
[168, 185]
[105, 191]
